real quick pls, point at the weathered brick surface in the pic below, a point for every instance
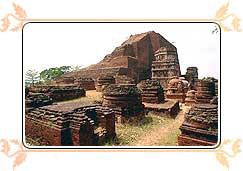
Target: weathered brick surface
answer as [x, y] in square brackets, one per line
[37, 100]
[59, 93]
[66, 94]
[86, 83]
[71, 124]
[190, 97]
[34, 100]
[125, 100]
[64, 80]
[165, 65]
[135, 55]
[102, 82]
[152, 91]
[205, 91]
[176, 90]
[200, 126]
[185, 140]
[168, 107]
[49, 134]
[192, 77]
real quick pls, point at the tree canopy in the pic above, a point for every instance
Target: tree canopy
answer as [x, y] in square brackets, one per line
[53, 73]
[31, 77]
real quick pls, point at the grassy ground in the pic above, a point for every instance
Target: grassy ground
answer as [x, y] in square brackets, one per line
[128, 134]
[156, 131]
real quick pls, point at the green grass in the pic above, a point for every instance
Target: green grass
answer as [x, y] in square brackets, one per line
[128, 134]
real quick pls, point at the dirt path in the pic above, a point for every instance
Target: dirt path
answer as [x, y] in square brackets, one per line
[163, 133]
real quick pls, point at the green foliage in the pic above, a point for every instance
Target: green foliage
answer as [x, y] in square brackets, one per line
[32, 77]
[53, 73]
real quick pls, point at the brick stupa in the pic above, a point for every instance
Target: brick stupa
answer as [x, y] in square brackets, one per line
[133, 58]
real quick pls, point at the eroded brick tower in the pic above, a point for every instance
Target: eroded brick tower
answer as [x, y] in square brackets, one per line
[165, 65]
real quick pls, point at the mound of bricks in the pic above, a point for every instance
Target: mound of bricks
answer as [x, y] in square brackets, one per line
[152, 91]
[200, 127]
[71, 124]
[125, 100]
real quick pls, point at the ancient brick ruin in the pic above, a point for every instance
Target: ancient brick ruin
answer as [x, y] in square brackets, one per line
[59, 93]
[71, 124]
[190, 97]
[86, 83]
[152, 91]
[168, 108]
[200, 127]
[64, 80]
[186, 84]
[126, 102]
[165, 65]
[192, 77]
[123, 79]
[34, 100]
[205, 91]
[104, 81]
[176, 90]
[133, 58]
[145, 59]
[66, 93]
[81, 82]
[214, 100]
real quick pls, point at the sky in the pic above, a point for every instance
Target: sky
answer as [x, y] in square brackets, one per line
[47, 45]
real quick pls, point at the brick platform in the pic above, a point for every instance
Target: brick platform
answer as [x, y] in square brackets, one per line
[60, 92]
[168, 107]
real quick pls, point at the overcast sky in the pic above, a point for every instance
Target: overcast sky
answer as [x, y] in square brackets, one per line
[56, 44]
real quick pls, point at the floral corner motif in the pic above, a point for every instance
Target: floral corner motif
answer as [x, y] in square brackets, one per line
[223, 17]
[18, 155]
[223, 156]
[19, 15]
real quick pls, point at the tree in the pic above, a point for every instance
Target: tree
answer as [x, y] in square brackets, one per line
[76, 68]
[53, 73]
[31, 77]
